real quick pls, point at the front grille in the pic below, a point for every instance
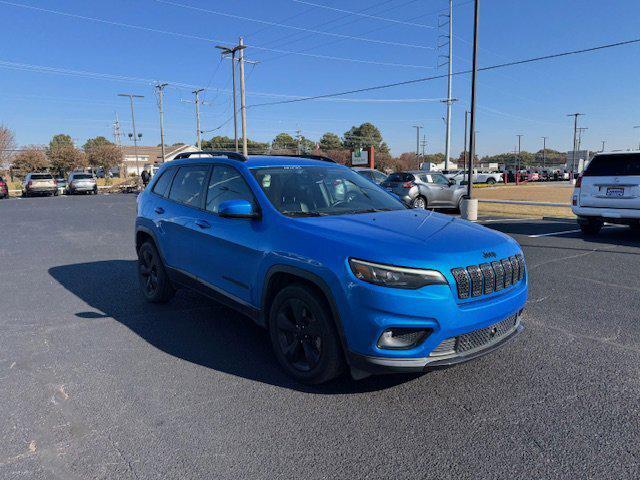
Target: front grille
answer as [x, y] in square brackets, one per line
[477, 339]
[477, 280]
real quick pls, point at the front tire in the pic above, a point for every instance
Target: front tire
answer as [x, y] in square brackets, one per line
[152, 276]
[419, 202]
[491, 181]
[304, 336]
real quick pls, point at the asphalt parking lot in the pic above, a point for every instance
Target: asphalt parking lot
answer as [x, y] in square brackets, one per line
[96, 383]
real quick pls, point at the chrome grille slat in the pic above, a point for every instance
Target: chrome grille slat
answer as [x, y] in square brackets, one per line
[516, 269]
[486, 278]
[489, 278]
[499, 269]
[508, 272]
[476, 280]
[463, 283]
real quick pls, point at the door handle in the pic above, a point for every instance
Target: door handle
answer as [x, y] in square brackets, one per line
[203, 224]
[159, 210]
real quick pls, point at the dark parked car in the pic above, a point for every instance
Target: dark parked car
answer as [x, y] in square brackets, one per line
[423, 189]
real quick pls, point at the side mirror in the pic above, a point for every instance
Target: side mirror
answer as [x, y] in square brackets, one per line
[237, 209]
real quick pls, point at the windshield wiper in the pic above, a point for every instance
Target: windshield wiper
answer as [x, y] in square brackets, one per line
[291, 213]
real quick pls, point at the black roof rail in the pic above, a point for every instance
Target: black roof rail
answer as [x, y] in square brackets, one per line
[322, 158]
[214, 153]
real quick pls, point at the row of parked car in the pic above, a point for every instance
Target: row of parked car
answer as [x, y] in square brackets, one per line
[38, 183]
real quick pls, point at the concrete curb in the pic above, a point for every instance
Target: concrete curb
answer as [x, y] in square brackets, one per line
[533, 204]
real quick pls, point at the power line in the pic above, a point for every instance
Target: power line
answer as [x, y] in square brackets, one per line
[293, 27]
[373, 17]
[209, 40]
[464, 72]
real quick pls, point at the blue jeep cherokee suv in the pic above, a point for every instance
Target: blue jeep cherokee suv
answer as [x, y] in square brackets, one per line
[340, 272]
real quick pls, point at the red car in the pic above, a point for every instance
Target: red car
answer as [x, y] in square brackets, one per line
[4, 189]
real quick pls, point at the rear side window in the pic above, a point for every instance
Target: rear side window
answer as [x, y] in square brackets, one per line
[187, 185]
[161, 187]
[614, 165]
[41, 176]
[227, 184]
[400, 177]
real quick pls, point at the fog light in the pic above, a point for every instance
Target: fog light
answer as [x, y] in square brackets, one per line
[402, 338]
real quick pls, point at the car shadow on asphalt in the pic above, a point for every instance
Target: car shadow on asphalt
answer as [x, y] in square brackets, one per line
[618, 235]
[193, 328]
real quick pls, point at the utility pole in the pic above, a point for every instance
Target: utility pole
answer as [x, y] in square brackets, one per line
[580, 130]
[544, 148]
[447, 147]
[197, 101]
[232, 51]
[423, 144]
[603, 142]
[466, 121]
[519, 158]
[243, 106]
[575, 139]
[637, 126]
[299, 139]
[133, 126]
[418, 127]
[474, 75]
[116, 131]
[160, 89]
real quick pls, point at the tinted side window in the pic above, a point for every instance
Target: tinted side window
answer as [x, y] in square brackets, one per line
[187, 185]
[161, 187]
[400, 177]
[226, 184]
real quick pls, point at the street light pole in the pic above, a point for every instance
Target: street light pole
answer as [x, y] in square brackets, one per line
[544, 148]
[418, 127]
[133, 126]
[160, 88]
[232, 51]
[243, 105]
[575, 139]
[447, 147]
[519, 158]
[474, 74]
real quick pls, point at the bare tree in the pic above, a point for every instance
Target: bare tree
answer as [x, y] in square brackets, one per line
[31, 159]
[7, 143]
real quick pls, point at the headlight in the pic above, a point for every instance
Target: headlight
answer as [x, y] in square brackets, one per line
[395, 277]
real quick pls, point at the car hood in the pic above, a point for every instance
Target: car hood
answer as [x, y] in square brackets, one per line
[413, 237]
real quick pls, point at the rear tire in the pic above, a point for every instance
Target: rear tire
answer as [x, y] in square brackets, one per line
[591, 227]
[304, 336]
[419, 202]
[491, 181]
[152, 276]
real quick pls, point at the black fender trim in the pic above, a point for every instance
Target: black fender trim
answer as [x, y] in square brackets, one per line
[316, 280]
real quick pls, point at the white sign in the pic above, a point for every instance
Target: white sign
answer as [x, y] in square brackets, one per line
[360, 157]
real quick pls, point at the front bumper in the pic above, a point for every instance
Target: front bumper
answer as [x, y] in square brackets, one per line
[377, 365]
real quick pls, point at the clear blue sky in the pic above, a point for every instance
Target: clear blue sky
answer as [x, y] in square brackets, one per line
[531, 100]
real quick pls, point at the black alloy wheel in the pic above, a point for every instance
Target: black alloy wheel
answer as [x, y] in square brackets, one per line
[153, 279]
[304, 336]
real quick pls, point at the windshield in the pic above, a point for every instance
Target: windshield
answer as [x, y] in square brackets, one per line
[318, 191]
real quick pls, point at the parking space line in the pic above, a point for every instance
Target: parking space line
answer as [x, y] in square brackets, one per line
[553, 233]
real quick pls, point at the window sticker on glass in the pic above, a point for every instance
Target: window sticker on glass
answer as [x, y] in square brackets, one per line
[266, 181]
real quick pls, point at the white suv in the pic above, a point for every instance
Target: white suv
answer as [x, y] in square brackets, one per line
[608, 191]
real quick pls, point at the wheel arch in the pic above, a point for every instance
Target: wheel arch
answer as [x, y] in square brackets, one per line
[280, 276]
